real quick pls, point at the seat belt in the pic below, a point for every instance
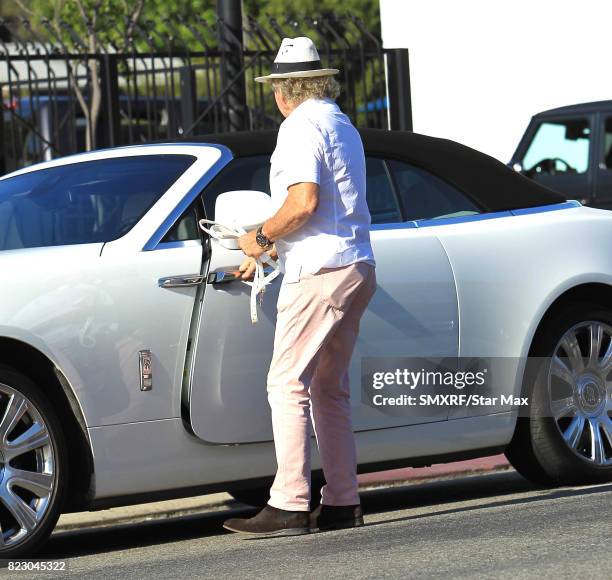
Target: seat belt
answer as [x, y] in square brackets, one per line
[260, 280]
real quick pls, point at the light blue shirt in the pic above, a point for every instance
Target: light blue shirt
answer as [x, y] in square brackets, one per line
[317, 143]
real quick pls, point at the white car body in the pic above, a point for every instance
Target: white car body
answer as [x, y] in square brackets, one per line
[477, 286]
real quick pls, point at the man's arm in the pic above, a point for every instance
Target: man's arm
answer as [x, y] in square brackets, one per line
[299, 205]
[301, 202]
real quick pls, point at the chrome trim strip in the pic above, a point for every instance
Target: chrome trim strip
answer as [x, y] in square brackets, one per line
[162, 230]
[460, 219]
[393, 226]
[178, 244]
[66, 159]
[572, 203]
[552, 207]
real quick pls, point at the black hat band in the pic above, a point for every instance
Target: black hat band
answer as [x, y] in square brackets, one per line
[288, 67]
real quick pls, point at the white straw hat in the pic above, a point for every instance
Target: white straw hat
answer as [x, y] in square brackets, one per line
[297, 57]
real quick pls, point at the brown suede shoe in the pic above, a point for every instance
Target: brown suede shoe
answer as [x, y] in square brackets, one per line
[332, 517]
[271, 521]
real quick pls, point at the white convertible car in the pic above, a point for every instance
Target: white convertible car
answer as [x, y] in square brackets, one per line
[130, 371]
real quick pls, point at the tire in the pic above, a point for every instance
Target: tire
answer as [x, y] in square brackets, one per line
[31, 499]
[567, 437]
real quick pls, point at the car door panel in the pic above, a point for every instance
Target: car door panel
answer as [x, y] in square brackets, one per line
[227, 395]
[413, 313]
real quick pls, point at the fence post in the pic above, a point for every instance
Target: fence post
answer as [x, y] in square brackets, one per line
[188, 99]
[110, 111]
[397, 71]
[231, 46]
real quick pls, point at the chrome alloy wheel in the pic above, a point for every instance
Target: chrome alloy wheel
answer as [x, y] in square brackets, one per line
[27, 467]
[580, 390]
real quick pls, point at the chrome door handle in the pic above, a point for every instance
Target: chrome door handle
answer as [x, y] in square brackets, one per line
[223, 277]
[181, 281]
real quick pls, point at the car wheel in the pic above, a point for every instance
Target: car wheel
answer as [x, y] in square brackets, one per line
[33, 464]
[567, 438]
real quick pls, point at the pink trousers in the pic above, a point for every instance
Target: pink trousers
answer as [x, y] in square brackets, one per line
[316, 329]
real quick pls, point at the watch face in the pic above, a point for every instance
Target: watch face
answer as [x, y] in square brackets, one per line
[261, 240]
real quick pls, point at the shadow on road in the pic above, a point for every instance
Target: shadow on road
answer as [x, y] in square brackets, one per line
[445, 493]
[442, 493]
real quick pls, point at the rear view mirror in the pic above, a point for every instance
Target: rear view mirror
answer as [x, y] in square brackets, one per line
[575, 130]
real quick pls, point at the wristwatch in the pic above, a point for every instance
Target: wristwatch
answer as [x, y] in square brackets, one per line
[261, 238]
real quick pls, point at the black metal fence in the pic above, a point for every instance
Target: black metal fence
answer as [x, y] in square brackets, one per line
[59, 99]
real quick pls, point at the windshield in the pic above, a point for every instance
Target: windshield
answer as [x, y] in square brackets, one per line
[559, 147]
[80, 203]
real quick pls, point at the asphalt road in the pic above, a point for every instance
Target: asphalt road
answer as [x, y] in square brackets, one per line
[488, 526]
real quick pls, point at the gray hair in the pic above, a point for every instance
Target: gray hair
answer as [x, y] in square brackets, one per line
[298, 89]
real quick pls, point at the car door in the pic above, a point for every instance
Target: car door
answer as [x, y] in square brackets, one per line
[413, 313]
[557, 152]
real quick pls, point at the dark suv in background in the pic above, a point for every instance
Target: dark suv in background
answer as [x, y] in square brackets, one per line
[569, 149]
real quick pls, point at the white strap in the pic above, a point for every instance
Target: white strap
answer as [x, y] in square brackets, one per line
[260, 280]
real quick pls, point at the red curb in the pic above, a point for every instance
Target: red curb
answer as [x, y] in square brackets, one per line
[438, 470]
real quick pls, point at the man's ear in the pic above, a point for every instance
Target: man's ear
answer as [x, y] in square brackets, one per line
[279, 96]
[281, 102]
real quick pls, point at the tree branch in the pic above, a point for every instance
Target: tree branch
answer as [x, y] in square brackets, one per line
[24, 8]
[83, 12]
[59, 7]
[134, 17]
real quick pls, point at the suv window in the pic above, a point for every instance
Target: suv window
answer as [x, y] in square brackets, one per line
[382, 202]
[80, 203]
[425, 196]
[559, 147]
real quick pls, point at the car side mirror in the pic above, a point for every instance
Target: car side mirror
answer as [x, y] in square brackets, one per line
[246, 209]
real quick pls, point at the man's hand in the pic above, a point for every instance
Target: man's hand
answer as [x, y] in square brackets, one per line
[247, 268]
[248, 244]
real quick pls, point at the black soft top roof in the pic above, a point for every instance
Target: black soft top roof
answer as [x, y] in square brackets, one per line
[577, 109]
[491, 184]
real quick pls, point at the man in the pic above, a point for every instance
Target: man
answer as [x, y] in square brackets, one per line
[320, 235]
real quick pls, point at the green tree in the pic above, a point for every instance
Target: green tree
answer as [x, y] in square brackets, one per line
[113, 21]
[89, 26]
[84, 27]
[162, 18]
[281, 10]
[88, 31]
